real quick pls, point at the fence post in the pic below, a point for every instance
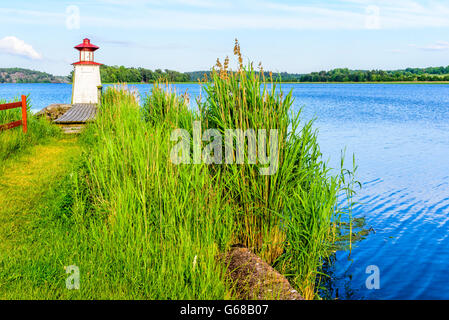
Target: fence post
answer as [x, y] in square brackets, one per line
[24, 114]
[99, 93]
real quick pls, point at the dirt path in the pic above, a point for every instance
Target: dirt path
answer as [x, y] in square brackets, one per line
[23, 183]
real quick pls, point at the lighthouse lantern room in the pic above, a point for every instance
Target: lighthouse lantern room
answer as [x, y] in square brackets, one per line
[86, 77]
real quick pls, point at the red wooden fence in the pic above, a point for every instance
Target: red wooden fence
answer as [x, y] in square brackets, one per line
[21, 104]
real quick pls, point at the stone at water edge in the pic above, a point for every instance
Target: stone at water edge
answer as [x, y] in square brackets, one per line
[54, 111]
[256, 279]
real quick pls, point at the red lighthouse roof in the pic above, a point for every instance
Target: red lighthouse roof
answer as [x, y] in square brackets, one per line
[86, 53]
[86, 45]
[87, 62]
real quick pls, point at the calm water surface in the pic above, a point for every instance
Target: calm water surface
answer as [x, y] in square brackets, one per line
[400, 137]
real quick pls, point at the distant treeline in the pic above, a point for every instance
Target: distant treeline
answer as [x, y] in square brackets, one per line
[346, 75]
[114, 74]
[19, 75]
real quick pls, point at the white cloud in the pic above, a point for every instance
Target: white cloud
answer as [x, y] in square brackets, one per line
[202, 3]
[15, 46]
[438, 46]
[394, 51]
[261, 15]
[169, 3]
[404, 14]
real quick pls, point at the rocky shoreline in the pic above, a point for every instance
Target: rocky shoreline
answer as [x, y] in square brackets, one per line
[255, 279]
[53, 111]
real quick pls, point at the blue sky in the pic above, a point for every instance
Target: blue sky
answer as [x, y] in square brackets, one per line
[188, 35]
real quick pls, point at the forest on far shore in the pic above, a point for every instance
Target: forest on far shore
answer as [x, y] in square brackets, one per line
[115, 74]
[20, 75]
[347, 75]
[112, 74]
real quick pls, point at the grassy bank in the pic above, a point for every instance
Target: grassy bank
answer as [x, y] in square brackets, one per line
[35, 237]
[140, 226]
[151, 220]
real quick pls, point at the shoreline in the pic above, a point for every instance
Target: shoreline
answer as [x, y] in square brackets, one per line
[375, 82]
[282, 82]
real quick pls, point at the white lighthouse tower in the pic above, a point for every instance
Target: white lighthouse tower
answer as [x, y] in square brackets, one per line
[86, 77]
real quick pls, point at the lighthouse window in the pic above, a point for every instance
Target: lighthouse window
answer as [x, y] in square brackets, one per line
[87, 56]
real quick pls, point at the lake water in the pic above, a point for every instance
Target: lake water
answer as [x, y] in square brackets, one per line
[400, 137]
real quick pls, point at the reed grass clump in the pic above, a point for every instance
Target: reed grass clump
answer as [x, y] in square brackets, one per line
[163, 104]
[289, 218]
[157, 226]
[159, 229]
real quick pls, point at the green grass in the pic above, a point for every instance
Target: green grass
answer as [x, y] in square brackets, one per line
[135, 225]
[140, 227]
[33, 235]
[149, 219]
[152, 220]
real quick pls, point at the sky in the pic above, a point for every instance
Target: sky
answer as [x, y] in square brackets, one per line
[189, 35]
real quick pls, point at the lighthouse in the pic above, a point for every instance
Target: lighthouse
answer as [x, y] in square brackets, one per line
[86, 77]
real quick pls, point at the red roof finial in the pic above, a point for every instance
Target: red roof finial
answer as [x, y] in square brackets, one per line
[86, 53]
[86, 45]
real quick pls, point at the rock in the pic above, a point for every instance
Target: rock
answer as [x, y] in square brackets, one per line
[256, 279]
[54, 111]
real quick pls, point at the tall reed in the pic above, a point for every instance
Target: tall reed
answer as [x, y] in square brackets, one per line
[289, 217]
[158, 229]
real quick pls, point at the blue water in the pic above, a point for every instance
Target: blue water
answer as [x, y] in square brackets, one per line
[400, 137]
